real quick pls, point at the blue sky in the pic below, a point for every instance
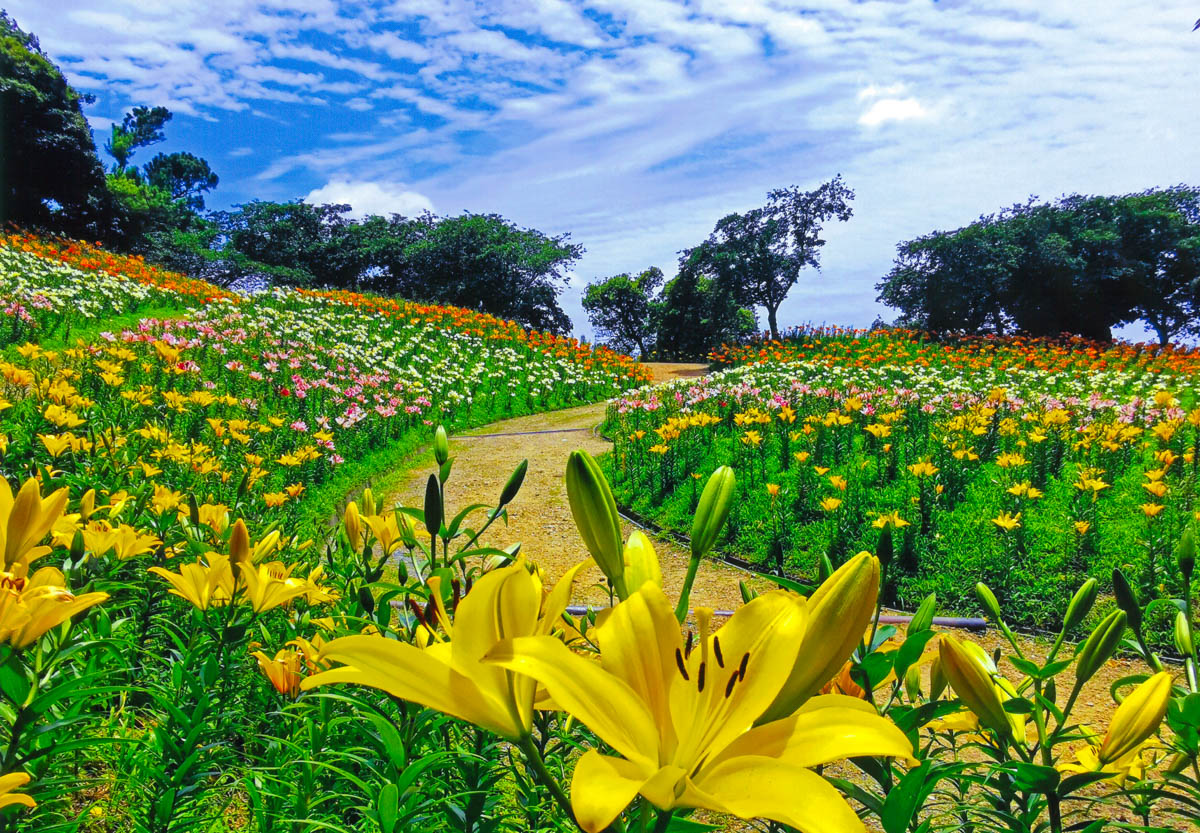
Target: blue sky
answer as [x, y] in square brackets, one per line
[636, 124]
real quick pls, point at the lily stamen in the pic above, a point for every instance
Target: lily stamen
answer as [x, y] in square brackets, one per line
[682, 667]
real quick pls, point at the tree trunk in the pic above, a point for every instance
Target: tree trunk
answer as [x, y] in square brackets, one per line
[773, 322]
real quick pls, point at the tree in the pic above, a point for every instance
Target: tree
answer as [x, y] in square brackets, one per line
[1082, 265]
[697, 311]
[761, 253]
[1160, 258]
[50, 175]
[486, 263]
[182, 175]
[141, 127]
[619, 308]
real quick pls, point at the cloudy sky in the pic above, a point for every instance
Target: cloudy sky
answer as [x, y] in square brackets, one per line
[636, 124]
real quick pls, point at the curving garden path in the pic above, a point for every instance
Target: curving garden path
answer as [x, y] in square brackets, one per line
[540, 519]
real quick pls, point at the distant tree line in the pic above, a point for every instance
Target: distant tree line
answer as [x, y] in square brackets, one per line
[1080, 264]
[51, 178]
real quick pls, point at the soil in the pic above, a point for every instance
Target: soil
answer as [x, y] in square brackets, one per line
[540, 519]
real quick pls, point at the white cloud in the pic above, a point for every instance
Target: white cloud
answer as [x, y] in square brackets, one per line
[892, 109]
[364, 198]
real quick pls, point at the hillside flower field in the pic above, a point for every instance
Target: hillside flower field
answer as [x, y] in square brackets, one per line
[208, 623]
[1028, 465]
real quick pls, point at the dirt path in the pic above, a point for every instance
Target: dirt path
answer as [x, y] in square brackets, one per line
[540, 519]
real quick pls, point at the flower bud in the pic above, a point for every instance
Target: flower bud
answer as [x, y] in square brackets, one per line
[912, 681]
[353, 526]
[923, 619]
[1185, 553]
[988, 599]
[433, 506]
[595, 512]
[1081, 604]
[368, 502]
[441, 446]
[239, 543]
[937, 678]
[513, 485]
[715, 502]
[87, 504]
[641, 562]
[1099, 647]
[839, 612]
[972, 681]
[1137, 718]
[1127, 599]
[1183, 635]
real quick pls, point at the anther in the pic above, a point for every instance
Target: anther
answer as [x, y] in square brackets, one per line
[733, 678]
[717, 651]
[741, 673]
[687, 652]
[700, 678]
[679, 662]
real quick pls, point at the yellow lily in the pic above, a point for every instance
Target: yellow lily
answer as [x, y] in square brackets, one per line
[683, 724]
[267, 586]
[9, 783]
[387, 531]
[283, 671]
[449, 675]
[204, 585]
[25, 521]
[30, 608]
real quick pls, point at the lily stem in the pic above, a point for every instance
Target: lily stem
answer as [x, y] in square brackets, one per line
[538, 764]
[664, 821]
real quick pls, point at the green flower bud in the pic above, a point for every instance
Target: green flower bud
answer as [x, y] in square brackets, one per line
[1081, 604]
[1185, 553]
[514, 483]
[595, 513]
[923, 619]
[1183, 635]
[1099, 647]
[988, 599]
[715, 502]
[441, 446]
[1127, 599]
[937, 678]
[433, 506]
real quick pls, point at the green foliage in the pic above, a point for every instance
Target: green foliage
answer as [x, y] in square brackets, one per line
[50, 175]
[1078, 265]
[620, 309]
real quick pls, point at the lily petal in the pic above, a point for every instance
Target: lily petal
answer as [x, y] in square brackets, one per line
[818, 736]
[602, 701]
[602, 787]
[409, 673]
[756, 787]
[638, 643]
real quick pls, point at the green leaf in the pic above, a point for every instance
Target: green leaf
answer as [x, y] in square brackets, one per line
[1035, 778]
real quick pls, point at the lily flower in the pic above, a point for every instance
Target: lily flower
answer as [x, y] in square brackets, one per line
[25, 521]
[683, 722]
[204, 585]
[267, 586]
[31, 607]
[450, 676]
[283, 670]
